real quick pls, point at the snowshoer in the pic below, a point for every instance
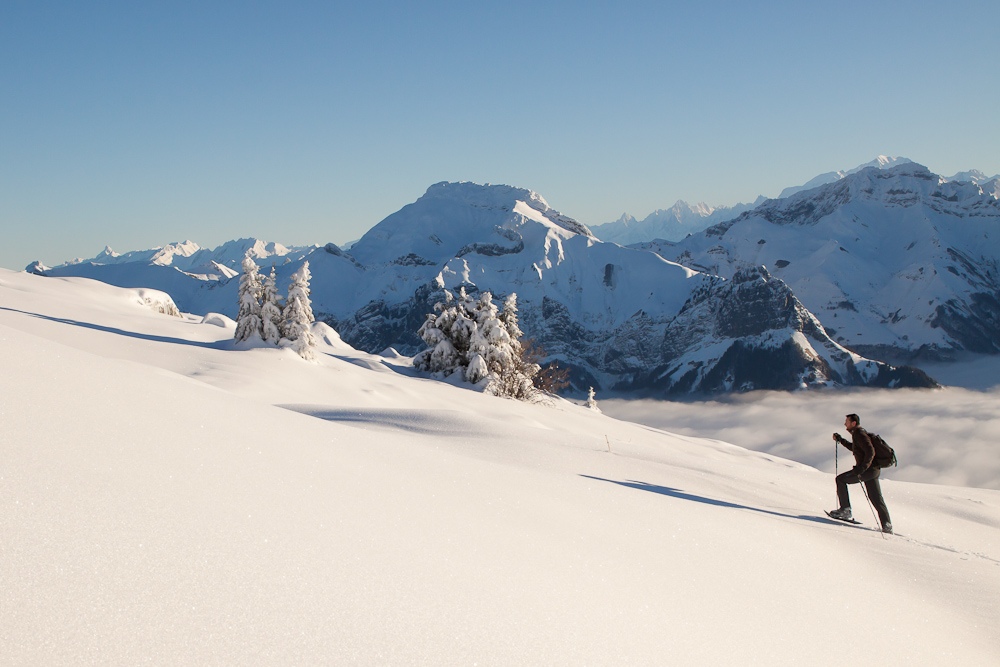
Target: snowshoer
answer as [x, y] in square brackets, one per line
[864, 470]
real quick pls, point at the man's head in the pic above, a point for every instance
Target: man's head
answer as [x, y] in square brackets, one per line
[852, 421]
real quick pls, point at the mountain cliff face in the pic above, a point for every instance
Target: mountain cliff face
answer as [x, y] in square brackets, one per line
[750, 332]
[615, 316]
[899, 263]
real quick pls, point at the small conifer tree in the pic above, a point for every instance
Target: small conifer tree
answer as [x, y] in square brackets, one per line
[491, 347]
[515, 379]
[304, 340]
[440, 331]
[298, 307]
[248, 321]
[297, 317]
[270, 310]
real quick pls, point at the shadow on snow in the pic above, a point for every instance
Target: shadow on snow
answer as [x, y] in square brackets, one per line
[218, 345]
[423, 421]
[681, 495]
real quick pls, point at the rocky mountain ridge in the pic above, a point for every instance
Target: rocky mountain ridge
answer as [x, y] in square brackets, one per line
[899, 263]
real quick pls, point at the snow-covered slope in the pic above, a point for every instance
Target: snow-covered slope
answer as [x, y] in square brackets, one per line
[171, 500]
[894, 262]
[600, 309]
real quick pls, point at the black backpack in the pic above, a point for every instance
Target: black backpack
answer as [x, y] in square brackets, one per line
[885, 456]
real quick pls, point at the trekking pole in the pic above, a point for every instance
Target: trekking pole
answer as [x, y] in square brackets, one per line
[836, 463]
[875, 516]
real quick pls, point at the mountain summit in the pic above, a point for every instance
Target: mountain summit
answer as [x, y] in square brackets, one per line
[450, 216]
[881, 162]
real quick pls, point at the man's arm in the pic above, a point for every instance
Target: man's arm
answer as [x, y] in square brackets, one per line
[843, 441]
[865, 448]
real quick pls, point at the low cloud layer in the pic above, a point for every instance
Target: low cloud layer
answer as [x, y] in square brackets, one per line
[945, 436]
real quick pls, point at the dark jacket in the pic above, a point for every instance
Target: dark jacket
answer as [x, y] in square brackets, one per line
[864, 451]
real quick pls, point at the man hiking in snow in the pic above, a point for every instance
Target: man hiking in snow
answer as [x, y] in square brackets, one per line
[864, 470]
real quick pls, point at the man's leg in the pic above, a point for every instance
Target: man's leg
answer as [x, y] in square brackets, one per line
[875, 495]
[843, 479]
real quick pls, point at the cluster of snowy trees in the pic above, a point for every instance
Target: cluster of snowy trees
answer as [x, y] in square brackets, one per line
[483, 342]
[266, 316]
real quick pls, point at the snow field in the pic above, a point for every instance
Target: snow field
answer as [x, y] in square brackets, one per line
[159, 505]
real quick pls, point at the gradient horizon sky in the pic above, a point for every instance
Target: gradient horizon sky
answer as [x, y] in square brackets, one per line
[139, 124]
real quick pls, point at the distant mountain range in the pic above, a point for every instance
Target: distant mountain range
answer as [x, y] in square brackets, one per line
[682, 219]
[671, 224]
[702, 315]
[219, 263]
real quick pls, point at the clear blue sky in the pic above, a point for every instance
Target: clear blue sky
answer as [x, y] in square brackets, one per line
[137, 124]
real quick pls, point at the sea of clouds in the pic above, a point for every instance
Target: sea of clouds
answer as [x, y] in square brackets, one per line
[941, 436]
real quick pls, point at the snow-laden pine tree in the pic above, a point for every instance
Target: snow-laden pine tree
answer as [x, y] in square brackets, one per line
[475, 337]
[461, 323]
[515, 379]
[270, 310]
[248, 321]
[303, 340]
[448, 332]
[297, 317]
[490, 348]
[591, 401]
[298, 288]
[440, 355]
[509, 317]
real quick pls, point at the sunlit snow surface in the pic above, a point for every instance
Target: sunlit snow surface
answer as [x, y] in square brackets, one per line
[168, 499]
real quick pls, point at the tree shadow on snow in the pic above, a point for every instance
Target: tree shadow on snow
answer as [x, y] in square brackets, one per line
[218, 345]
[376, 363]
[681, 495]
[423, 421]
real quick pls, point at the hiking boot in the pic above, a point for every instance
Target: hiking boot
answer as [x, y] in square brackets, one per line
[844, 514]
[887, 527]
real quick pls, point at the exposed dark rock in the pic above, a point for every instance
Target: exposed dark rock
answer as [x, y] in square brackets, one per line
[903, 376]
[490, 249]
[412, 259]
[380, 325]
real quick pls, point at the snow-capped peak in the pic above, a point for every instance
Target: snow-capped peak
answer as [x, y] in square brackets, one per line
[880, 162]
[905, 184]
[166, 255]
[449, 216]
[973, 176]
